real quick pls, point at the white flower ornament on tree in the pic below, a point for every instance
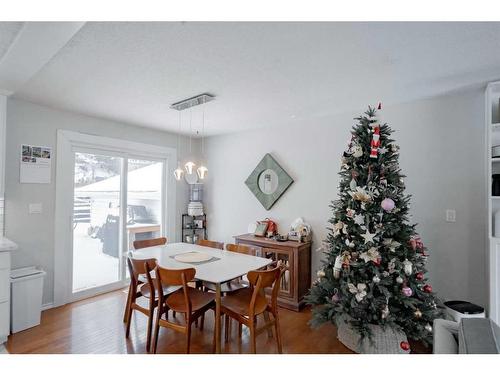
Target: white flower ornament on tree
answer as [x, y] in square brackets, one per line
[359, 291]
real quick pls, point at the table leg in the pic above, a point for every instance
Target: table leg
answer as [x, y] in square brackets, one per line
[217, 318]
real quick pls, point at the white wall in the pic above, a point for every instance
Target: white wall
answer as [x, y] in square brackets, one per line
[442, 154]
[34, 124]
[3, 126]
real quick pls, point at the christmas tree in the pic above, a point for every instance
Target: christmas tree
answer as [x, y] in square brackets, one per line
[374, 271]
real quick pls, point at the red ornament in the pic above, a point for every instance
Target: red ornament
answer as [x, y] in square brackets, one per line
[377, 261]
[427, 288]
[419, 276]
[405, 346]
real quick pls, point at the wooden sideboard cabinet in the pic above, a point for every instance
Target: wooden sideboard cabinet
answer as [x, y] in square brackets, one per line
[296, 281]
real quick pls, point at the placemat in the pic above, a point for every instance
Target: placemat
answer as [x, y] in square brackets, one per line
[213, 259]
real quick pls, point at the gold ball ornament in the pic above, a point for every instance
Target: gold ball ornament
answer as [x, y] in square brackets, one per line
[417, 314]
[320, 273]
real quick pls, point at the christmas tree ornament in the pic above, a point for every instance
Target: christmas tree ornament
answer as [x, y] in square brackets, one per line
[338, 228]
[320, 273]
[416, 243]
[353, 184]
[419, 276]
[387, 204]
[382, 151]
[417, 314]
[427, 288]
[404, 345]
[336, 296]
[359, 291]
[391, 267]
[350, 213]
[354, 256]
[391, 244]
[375, 142]
[407, 291]
[385, 312]
[357, 151]
[368, 237]
[337, 267]
[359, 219]
[428, 328]
[399, 280]
[408, 267]
[372, 255]
[376, 279]
[360, 194]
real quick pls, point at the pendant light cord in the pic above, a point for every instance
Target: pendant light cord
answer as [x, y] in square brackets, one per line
[190, 130]
[203, 133]
[179, 139]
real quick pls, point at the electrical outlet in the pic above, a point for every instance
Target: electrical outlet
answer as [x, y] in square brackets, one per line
[35, 208]
[451, 216]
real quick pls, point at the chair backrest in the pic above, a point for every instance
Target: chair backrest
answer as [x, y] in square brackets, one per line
[242, 249]
[137, 267]
[213, 244]
[141, 244]
[174, 277]
[261, 279]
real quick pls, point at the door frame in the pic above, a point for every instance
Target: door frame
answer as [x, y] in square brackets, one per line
[67, 142]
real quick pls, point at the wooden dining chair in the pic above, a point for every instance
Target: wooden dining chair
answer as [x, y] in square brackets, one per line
[213, 244]
[141, 267]
[191, 302]
[141, 244]
[246, 304]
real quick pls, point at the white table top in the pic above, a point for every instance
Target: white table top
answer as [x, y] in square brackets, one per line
[230, 265]
[6, 244]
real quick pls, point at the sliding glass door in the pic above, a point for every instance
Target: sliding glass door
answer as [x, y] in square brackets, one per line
[117, 199]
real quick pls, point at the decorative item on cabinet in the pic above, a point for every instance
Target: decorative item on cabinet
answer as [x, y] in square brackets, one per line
[296, 256]
[300, 231]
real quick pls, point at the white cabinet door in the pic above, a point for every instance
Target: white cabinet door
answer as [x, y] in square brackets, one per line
[4, 321]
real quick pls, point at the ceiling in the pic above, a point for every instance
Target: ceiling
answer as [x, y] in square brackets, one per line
[263, 74]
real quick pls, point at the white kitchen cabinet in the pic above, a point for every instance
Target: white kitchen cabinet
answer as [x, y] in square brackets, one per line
[6, 246]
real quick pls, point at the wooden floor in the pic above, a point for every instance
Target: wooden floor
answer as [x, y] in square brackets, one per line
[95, 326]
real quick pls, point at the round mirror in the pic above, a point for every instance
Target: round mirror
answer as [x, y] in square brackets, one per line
[268, 181]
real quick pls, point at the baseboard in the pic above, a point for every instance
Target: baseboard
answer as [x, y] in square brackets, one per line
[47, 306]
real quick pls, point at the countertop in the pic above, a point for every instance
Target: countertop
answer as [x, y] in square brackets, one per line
[6, 244]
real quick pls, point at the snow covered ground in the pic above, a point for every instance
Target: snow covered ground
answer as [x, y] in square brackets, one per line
[91, 267]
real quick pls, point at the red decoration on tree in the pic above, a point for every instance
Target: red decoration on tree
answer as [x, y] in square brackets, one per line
[375, 143]
[419, 276]
[427, 288]
[404, 345]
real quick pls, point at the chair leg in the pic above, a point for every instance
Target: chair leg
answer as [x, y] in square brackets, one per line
[157, 329]
[269, 328]
[129, 321]
[226, 330]
[202, 322]
[127, 305]
[253, 344]
[188, 341]
[150, 328]
[278, 333]
[214, 336]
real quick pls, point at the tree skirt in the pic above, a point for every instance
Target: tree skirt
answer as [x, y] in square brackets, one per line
[386, 341]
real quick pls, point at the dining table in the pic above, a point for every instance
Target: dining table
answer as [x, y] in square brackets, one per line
[223, 266]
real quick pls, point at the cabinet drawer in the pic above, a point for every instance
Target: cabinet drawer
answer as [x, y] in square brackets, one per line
[4, 285]
[4, 260]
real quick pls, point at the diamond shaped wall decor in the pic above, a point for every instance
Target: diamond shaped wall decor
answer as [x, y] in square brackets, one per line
[268, 181]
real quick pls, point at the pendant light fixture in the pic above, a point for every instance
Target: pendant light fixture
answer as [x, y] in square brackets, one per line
[190, 164]
[178, 171]
[202, 170]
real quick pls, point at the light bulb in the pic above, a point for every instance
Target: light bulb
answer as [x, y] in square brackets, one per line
[189, 167]
[178, 173]
[202, 172]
